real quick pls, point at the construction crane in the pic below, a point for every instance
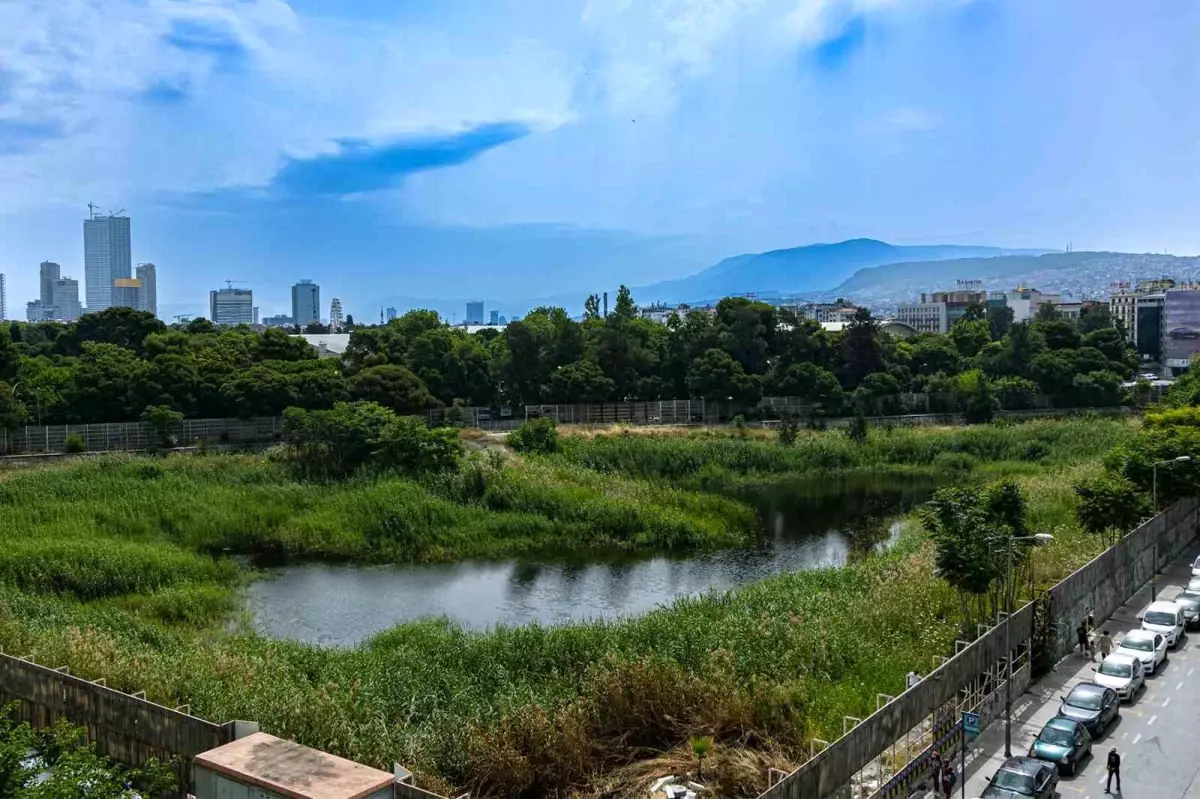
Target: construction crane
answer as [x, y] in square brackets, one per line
[229, 283]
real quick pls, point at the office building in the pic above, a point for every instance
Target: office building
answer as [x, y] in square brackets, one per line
[147, 275]
[1180, 328]
[937, 312]
[306, 303]
[336, 320]
[34, 312]
[1137, 308]
[391, 314]
[493, 317]
[3, 301]
[474, 313]
[230, 306]
[65, 306]
[279, 320]
[126, 293]
[106, 257]
[1023, 301]
[256, 314]
[48, 272]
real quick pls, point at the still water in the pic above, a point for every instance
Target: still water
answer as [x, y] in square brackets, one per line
[805, 526]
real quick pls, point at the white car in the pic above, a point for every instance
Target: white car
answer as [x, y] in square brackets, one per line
[1196, 567]
[1166, 619]
[1148, 647]
[1122, 673]
[1193, 586]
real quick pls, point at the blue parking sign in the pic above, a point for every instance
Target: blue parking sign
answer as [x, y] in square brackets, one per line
[970, 724]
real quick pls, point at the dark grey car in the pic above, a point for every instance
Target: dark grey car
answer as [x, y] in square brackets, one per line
[1023, 778]
[1093, 706]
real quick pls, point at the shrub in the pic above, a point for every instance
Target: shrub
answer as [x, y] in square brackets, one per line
[537, 436]
[163, 419]
[75, 444]
[1110, 502]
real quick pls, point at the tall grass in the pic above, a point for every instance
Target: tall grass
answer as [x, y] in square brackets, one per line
[112, 567]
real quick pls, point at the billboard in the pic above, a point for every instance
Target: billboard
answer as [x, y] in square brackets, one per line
[1181, 327]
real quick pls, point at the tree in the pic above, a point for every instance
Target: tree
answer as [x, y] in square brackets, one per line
[10, 357]
[1000, 319]
[582, 381]
[1059, 334]
[409, 446]
[123, 327]
[975, 393]
[394, 387]
[625, 307]
[806, 381]
[932, 354]
[536, 436]
[970, 336]
[1015, 393]
[1110, 503]
[717, 376]
[787, 430]
[591, 307]
[1096, 317]
[163, 420]
[862, 349]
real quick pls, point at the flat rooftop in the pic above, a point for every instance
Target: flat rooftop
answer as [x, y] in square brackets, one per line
[292, 770]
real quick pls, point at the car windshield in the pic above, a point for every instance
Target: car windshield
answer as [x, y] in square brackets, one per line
[1188, 601]
[1116, 668]
[1161, 618]
[1015, 781]
[1138, 642]
[1086, 698]
[1057, 736]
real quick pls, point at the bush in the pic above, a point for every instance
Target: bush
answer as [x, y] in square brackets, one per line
[75, 444]
[537, 437]
[1110, 502]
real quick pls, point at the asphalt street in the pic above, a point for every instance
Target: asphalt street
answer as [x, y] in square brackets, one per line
[1157, 734]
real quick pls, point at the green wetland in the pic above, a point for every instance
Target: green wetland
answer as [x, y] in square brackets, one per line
[129, 568]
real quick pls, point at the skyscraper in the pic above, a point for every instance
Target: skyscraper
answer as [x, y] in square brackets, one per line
[474, 313]
[49, 272]
[65, 299]
[336, 320]
[147, 275]
[231, 306]
[493, 317]
[391, 314]
[126, 293]
[306, 303]
[106, 257]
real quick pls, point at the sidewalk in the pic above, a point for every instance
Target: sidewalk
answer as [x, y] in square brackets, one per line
[1158, 734]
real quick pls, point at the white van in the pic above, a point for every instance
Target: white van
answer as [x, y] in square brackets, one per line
[1166, 619]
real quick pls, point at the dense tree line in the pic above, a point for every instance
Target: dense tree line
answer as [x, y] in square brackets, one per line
[112, 365]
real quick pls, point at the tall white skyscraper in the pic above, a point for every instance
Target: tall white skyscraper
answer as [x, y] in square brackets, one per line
[306, 303]
[147, 275]
[65, 297]
[3, 301]
[107, 256]
[231, 306]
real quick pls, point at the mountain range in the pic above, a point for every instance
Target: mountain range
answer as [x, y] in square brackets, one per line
[872, 273]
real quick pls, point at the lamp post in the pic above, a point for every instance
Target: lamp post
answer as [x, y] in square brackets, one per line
[1154, 565]
[1036, 538]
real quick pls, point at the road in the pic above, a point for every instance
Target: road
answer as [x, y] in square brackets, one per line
[1157, 735]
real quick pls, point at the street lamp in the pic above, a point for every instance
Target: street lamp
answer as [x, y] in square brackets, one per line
[1154, 565]
[1037, 538]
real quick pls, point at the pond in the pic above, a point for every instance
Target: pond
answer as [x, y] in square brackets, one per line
[806, 525]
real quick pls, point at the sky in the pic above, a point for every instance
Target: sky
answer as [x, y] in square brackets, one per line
[514, 149]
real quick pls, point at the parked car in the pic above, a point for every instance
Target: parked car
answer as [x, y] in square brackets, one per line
[1148, 647]
[1122, 673]
[1092, 705]
[1021, 778]
[1193, 586]
[1190, 603]
[1064, 742]
[1196, 567]
[1166, 619]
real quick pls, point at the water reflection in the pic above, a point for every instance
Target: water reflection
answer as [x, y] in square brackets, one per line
[806, 525]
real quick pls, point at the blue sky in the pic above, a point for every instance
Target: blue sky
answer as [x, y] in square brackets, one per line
[508, 149]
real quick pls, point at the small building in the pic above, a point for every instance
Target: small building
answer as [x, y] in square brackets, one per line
[327, 345]
[261, 766]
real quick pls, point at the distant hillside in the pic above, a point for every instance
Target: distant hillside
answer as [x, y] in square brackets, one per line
[1077, 274]
[799, 270]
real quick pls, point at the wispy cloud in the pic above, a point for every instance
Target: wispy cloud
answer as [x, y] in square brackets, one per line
[165, 92]
[211, 38]
[834, 53]
[358, 166]
[17, 136]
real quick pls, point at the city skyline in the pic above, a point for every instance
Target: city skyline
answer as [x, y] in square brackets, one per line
[637, 142]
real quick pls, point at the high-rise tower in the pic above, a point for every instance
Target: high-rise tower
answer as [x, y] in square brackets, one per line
[107, 256]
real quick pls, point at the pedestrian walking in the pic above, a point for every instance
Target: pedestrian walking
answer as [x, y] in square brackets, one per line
[913, 679]
[1114, 769]
[935, 768]
[1106, 644]
[948, 779]
[1085, 646]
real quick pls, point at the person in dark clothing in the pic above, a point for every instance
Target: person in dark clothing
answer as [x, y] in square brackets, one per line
[1114, 768]
[1085, 647]
[948, 778]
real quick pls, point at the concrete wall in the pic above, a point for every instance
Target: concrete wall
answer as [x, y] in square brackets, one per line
[1108, 581]
[123, 727]
[832, 768]
[1101, 586]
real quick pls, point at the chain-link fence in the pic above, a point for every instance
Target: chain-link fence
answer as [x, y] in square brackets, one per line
[664, 412]
[119, 436]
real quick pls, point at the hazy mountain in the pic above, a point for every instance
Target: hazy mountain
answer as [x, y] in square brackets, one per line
[1077, 274]
[799, 270]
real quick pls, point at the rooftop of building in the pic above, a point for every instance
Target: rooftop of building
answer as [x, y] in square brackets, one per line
[291, 770]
